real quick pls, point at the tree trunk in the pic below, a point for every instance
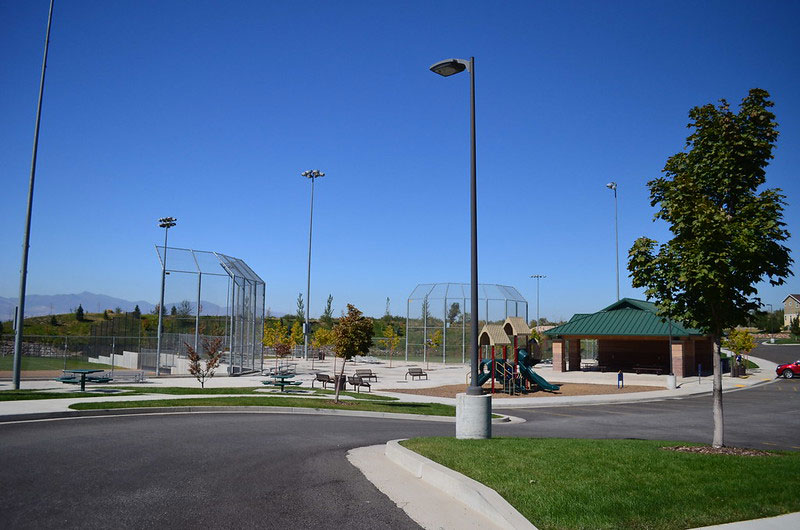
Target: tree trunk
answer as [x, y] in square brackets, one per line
[717, 393]
[336, 382]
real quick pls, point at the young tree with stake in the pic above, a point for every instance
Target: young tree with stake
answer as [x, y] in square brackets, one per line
[353, 336]
[727, 236]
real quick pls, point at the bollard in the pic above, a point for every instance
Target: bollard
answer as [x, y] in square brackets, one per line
[699, 373]
[620, 382]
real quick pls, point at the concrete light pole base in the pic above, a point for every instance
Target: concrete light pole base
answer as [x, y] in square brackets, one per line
[671, 382]
[473, 416]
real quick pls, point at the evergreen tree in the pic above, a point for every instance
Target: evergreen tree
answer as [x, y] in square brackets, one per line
[79, 314]
[301, 308]
[327, 315]
[137, 313]
[174, 311]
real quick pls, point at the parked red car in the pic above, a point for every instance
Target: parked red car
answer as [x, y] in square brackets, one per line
[789, 370]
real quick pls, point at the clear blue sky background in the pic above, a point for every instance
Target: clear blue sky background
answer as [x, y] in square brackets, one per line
[209, 111]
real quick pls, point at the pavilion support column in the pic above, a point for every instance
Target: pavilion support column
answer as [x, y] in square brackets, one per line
[683, 364]
[559, 359]
[574, 349]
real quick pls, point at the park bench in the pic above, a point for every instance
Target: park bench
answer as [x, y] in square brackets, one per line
[325, 379]
[648, 370]
[358, 382]
[416, 372]
[367, 374]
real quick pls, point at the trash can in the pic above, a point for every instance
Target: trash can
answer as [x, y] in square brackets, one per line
[340, 382]
[725, 365]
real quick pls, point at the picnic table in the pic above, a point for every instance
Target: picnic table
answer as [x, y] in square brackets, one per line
[282, 381]
[83, 372]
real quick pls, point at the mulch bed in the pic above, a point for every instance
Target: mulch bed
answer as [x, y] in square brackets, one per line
[708, 450]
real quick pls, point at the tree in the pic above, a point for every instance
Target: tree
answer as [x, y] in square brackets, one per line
[213, 350]
[726, 236]
[105, 315]
[794, 326]
[739, 341]
[327, 315]
[274, 334]
[117, 310]
[296, 336]
[137, 313]
[387, 313]
[301, 308]
[156, 309]
[426, 310]
[322, 339]
[184, 309]
[174, 311]
[53, 321]
[79, 314]
[353, 336]
[453, 312]
[390, 341]
[434, 342]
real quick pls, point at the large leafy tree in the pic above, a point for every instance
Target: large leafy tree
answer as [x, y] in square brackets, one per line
[728, 233]
[353, 336]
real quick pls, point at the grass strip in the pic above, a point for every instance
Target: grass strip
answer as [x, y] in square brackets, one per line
[430, 409]
[569, 484]
[185, 391]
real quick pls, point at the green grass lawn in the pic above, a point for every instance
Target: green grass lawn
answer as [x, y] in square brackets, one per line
[434, 409]
[792, 340]
[571, 484]
[49, 363]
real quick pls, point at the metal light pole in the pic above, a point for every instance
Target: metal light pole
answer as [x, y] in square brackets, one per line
[23, 272]
[313, 174]
[613, 186]
[473, 414]
[538, 277]
[166, 223]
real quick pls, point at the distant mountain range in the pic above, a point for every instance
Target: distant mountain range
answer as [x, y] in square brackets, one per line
[39, 305]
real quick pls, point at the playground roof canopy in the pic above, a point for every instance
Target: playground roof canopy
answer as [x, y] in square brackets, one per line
[516, 326]
[626, 317]
[493, 335]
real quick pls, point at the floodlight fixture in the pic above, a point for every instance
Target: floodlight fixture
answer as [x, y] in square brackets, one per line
[167, 222]
[449, 67]
[612, 186]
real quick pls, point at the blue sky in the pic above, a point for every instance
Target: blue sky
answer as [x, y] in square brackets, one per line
[209, 112]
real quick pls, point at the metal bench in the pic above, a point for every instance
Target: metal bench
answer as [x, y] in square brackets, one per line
[416, 372]
[358, 382]
[325, 379]
[367, 374]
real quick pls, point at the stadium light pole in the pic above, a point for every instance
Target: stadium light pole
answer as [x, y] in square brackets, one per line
[313, 174]
[538, 277]
[473, 414]
[613, 186]
[19, 317]
[166, 223]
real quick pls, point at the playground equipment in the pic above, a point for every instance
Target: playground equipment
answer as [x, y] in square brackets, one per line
[509, 374]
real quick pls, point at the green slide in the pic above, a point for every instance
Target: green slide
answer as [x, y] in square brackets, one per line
[527, 372]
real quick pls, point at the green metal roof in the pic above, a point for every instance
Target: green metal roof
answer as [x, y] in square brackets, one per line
[627, 317]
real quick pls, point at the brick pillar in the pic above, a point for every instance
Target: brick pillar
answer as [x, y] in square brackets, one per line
[574, 350]
[559, 360]
[683, 364]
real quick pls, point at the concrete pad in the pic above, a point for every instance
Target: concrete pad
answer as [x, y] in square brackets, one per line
[427, 505]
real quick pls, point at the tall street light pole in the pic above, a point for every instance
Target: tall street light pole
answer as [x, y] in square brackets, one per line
[613, 186]
[473, 412]
[313, 174]
[166, 223]
[538, 277]
[26, 238]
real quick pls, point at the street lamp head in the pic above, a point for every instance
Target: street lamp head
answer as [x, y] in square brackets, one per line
[449, 67]
[167, 222]
[312, 173]
[611, 185]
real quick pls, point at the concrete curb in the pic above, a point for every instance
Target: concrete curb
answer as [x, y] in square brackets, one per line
[99, 413]
[472, 493]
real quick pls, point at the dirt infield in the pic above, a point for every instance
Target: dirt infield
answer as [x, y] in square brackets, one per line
[567, 389]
